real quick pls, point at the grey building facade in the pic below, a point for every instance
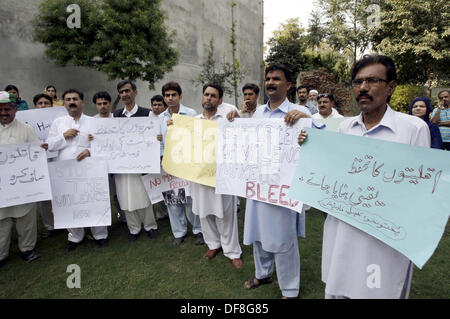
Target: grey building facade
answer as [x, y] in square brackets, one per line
[23, 62]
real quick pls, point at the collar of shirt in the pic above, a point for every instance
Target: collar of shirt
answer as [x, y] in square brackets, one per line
[284, 107]
[130, 113]
[215, 116]
[387, 121]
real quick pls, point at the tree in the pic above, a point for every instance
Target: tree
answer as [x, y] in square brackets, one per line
[316, 32]
[122, 38]
[213, 73]
[287, 45]
[237, 73]
[416, 35]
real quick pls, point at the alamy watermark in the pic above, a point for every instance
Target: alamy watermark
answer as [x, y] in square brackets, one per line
[74, 19]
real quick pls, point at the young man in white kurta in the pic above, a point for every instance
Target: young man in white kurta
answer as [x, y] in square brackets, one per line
[218, 215]
[23, 216]
[179, 214]
[69, 136]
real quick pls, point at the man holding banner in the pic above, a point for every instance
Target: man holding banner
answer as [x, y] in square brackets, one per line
[218, 215]
[354, 263]
[179, 214]
[131, 193]
[69, 136]
[13, 131]
[273, 230]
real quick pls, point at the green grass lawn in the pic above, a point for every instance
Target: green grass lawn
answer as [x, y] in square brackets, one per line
[157, 269]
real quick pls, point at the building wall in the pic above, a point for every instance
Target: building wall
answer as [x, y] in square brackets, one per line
[23, 63]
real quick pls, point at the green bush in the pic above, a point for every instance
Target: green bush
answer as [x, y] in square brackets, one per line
[403, 96]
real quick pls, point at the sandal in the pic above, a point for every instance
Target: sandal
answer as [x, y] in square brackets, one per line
[250, 284]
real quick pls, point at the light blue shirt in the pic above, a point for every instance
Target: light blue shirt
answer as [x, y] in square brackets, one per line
[274, 226]
[164, 116]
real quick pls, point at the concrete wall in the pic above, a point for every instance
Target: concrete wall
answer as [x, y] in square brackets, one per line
[22, 61]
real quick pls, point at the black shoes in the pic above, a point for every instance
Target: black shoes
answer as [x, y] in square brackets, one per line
[199, 239]
[71, 246]
[102, 242]
[178, 241]
[133, 237]
[152, 233]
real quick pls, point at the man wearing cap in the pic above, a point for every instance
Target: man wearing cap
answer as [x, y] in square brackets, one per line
[13, 131]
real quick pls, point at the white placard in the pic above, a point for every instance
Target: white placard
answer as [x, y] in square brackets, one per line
[257, 158]
[41, 120]
[157, 184]
[129, 145]
[80, 193]
[24, 176]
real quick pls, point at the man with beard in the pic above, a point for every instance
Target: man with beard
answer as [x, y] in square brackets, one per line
[302, 95]
[218, 216]
[69, 136]
[347, 251]
[133, 198]
[23, 216]
[274, 230]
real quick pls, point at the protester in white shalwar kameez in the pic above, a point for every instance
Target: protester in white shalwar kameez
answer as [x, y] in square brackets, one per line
[71, 148]
[218, 213]
[274, 230]
[351, 257]
[23, 216]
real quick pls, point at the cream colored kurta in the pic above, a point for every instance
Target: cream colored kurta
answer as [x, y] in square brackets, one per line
[17, 132]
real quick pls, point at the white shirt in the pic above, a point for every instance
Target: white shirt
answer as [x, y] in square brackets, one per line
[347, 251]
[225, 108]
[334, 114]
[16, 132]
[69, 148]
[98, 115]
[205, 201]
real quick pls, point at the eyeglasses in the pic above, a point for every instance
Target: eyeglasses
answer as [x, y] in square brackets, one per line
[327, 96]
[370, 81]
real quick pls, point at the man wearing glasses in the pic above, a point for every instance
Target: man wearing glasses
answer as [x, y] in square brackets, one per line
[347, 252]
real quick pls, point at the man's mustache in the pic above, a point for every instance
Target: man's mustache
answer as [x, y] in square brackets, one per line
[271, 87]
[367, 96]
[72, 105]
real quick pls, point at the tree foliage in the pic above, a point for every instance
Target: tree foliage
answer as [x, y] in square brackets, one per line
[122, 38]
[416, 34]
[346, 25]
[212, 72]
[403, 96]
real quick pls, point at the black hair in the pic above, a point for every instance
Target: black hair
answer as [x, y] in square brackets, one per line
[368, 59]
[251, 86]
[37, 97]
[281, 67]
[10, 87]
[303, 86]
[158, 98]
[171, 86]
[216, 86]
[124, 82]
[80, 94]
[101, 95]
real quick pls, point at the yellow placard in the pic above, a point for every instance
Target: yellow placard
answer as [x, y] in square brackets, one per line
[190, 149]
